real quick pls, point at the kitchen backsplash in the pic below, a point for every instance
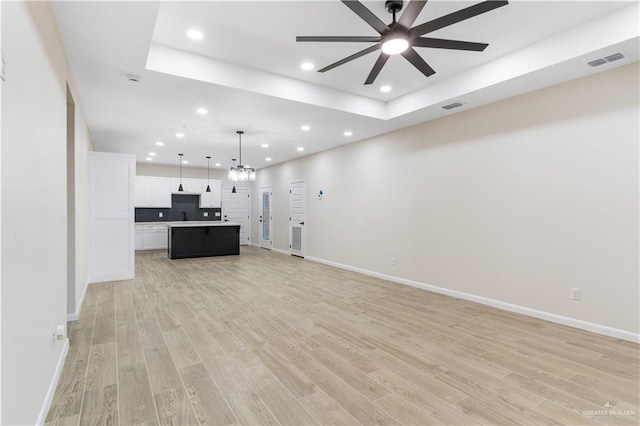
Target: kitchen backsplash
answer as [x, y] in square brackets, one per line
[181, 205]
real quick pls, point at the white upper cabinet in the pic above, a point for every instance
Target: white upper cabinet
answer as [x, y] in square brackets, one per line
[152, 192]
[211, 199]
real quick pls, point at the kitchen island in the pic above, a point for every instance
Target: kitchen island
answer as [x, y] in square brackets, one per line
[203, 239]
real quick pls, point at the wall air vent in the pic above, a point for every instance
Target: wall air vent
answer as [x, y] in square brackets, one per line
[602, 61]
[452, 106]
[614, 57]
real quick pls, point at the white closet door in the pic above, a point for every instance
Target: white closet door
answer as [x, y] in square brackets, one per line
[111, 232]
[297, 217]
[236, 208]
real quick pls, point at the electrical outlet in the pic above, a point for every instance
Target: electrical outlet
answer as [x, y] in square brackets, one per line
[393, 261]
[217, 214]
[575, 294]
[58, 333]
[206, 214]
[160, 214]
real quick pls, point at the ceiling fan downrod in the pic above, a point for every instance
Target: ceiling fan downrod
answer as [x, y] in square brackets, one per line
[393, 7]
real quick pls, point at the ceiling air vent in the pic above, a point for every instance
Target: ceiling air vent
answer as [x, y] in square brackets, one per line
[614, 57]
[453, 105]
[133, 77]
[602, 61]
[597, 63]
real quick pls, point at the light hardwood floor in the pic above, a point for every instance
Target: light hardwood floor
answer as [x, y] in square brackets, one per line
[268, 339]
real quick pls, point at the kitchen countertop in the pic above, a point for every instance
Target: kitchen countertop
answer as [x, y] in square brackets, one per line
[186, 224]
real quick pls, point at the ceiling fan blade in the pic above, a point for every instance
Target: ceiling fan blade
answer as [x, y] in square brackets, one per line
[416, 60]
[457, 16]
[411, 13]
[377, 67]
[438, 43]
[366, 15]
[355, 39]
[351, 58]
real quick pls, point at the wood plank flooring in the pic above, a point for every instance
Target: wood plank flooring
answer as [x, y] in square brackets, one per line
[268, 339]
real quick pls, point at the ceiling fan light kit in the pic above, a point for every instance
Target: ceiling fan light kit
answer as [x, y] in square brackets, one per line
[401, 37]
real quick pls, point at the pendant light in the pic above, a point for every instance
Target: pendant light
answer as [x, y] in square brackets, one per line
[180, 162]
[240, 172]
[208, 187]
[233, 167]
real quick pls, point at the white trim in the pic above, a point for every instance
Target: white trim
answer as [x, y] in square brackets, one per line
[75, 315]
[52, 386]
[559, 319]
[251, 243]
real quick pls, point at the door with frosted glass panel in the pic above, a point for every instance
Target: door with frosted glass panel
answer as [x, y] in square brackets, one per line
[266, 217]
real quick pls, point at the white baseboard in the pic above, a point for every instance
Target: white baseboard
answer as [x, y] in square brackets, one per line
[75, 315]
[254, 244]
[277, 250]
[54, 383]
[571, 322]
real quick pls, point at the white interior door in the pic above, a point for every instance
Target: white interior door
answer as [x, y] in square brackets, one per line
[266, 217]
[237, 208]
[297, 216]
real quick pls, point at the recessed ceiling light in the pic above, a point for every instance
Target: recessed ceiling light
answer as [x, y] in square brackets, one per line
[265, 145]
[385, 88]
[152, 154]
[185, 161]
[307, 66]
[158, 143]
[149, 159]
[179, 135]
[217, 164]
[202, 111]
[300, 148]
[348, 133]
[195, 34]
[306, 128]
[268, 159]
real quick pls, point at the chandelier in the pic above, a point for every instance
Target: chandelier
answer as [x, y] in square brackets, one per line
[239, 173]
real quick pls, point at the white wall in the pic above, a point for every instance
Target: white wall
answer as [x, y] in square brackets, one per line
[34, 212]
[517, 201]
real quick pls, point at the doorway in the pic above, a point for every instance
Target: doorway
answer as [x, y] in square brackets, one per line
[297, 217]
[237, 208]
[266, 217]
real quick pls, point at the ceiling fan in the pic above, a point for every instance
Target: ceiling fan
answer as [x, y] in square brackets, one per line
[401, 38]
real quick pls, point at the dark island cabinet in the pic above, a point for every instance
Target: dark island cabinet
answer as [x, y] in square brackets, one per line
[203, 241]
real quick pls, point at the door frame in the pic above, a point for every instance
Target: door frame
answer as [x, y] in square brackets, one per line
[261, 190]
[303, 252]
